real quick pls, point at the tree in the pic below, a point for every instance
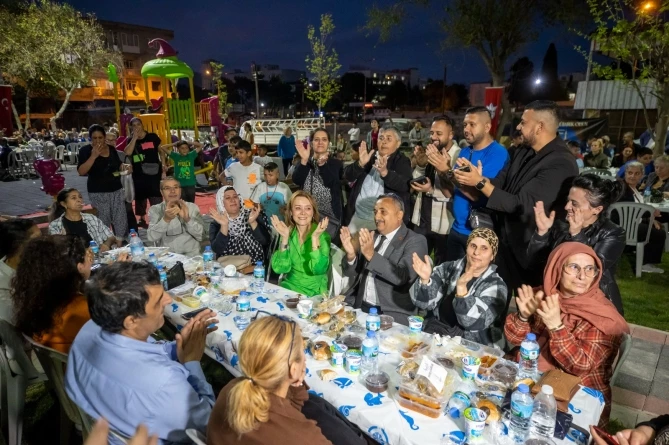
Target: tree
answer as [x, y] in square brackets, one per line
[221, 91]
[397, 95]
[353, 88]
[54, 43]
[637, 36]
[550, 87]
[323, 63]
[496, 29]
[520, 82]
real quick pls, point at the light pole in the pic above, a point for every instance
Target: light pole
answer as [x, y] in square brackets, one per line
[255, 78]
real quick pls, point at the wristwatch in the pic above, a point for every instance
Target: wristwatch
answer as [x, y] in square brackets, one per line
[481, 184]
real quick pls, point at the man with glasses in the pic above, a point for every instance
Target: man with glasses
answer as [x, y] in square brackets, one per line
[175, 223]
[388, 171]
[380, 263]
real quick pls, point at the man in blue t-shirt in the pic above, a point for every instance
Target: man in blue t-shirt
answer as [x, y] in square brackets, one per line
[484, 149]
[643, 155]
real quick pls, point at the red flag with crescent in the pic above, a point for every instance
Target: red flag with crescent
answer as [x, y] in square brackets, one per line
[493, 102]
[6, 122]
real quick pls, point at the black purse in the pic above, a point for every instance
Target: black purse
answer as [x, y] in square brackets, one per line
[480, 219]
[176, 276]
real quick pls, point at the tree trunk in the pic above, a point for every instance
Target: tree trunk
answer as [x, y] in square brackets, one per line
[28, 125]
[17, 117]
[60, 112]
[662, 121]
[506, 117]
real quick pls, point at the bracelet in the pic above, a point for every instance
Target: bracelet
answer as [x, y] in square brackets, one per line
[558, 328]
[520, 317]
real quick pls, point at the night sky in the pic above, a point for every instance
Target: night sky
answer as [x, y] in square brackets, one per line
[276, 33]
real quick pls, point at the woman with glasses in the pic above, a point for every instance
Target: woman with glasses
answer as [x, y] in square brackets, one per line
[304, 251]
[652, 252]
[578, 329]
[589, 199]
[269, 404]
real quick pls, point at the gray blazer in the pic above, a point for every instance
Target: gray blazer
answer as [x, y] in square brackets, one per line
[394, 274]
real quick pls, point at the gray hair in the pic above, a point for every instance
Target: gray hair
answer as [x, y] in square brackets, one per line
[664, 159]
[398, 201]
[168, 179]
[393, 130]
[635, 164]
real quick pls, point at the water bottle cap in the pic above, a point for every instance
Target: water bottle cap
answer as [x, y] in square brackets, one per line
[371, 334]
[373, 311]
[531, 337]
[523, 388]
[454, 412]
[547, 389]
[152, 254]
[258, 263]
[207, 248]
[92, 243]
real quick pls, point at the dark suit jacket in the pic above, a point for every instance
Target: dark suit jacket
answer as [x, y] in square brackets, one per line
[394, 273]
[396, 181]
[530, 177]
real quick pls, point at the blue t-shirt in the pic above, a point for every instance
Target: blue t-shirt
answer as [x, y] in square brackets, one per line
[493, 158]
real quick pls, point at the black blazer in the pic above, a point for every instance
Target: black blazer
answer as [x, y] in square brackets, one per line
[396, 181]
[331, 173]
[530, 177]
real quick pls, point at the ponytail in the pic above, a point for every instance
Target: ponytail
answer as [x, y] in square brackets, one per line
[57, 210]
[248, 404]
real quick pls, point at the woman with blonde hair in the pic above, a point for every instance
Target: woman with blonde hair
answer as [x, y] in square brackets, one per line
[269, 404]
[304, 252]
[596, 158]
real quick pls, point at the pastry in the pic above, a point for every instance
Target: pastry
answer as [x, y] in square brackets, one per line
[412, 350]
[435, 413]
[528, 381]
[322, 318]
[327, 374]
[487, 361]
[425, 401]
[320, 350]
[490, 409]
[408, 369]
[203, 280]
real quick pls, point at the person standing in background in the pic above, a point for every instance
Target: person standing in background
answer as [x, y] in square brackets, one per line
[354, 133]
[286, 148]
[373, 135]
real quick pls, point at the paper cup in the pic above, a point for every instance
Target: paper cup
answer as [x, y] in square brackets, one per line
[304, 308]
[474, 424]
[470, 366]
[230, 270]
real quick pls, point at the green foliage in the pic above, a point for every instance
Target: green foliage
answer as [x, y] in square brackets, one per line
[55, 43]
[221, 90]
[323, 63]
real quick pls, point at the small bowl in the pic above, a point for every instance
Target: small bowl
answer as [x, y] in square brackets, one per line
[377, 382]
[292, 302]
[351, 341]
[386, 322]
[241, 321]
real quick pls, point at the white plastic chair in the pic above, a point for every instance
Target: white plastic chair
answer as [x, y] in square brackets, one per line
[18, 373]
[197, 437]
[624, 350]
[630, 216]
[60, 156]
[54, 363]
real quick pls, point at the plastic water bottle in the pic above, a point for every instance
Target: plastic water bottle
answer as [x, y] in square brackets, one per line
[373, 321]
[542, 422]
[153, 260]
[259, 277]
[529, 356]
[646, 195]
[136, 246]
[208, 259]
[370, 352]
[521, 411]
[96, 251]
[163, 276]
[458, 403]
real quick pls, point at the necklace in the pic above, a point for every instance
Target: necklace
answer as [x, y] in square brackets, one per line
[269, 197]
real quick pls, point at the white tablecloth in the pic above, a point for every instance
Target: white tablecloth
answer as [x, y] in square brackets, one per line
[662, 206]
[377, 414]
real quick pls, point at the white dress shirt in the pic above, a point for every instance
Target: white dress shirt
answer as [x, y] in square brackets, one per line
[370, 288]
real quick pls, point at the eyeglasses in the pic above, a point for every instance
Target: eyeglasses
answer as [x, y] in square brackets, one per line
[292, 326]
[575, 270]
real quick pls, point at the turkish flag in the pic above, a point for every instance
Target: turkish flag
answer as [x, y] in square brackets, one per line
[493, 102]
[6, 123]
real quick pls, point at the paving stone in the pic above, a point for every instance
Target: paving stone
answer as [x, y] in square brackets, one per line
[645, 416]
[646, 346]
[660, 389]
[651, 335]
[625, 415]
[665, 351]
[628, 398]
[641, 364]
[634, 383]
[655, 405]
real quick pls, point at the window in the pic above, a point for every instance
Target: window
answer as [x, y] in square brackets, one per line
[129, 64]
[124, 39]
[135, 40]
[130, 85]
[155, 85]
[114, 38]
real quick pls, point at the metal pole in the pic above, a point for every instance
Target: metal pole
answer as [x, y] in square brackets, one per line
[255, 77]
[364, 98]
[587, 78]
[443, 94]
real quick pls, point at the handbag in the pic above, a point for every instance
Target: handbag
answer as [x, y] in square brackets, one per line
[176, 276]
[150, 168]
[239, 261]
[481, 219]
[564, 385]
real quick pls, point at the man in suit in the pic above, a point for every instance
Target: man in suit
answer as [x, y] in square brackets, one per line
[540, 170]
[379, 263]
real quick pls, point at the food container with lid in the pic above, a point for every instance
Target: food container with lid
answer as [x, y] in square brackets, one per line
[386, 322]
[241, 321]
[377, 382]
[353, 361]
[351, 341]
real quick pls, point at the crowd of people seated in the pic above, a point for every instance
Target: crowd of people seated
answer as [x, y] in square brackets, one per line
[453, 233]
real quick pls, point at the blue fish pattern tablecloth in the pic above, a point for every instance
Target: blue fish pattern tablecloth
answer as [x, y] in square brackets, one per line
[377, 414]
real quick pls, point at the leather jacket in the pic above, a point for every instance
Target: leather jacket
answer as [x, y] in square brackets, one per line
[606, 238]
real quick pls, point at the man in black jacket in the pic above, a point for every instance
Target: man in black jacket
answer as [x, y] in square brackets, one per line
[320, 175]
[387, 171]
[541, 170]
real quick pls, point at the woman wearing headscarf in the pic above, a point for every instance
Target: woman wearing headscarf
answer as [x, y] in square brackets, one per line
[578, 329]
[465, 297]
[237, 230]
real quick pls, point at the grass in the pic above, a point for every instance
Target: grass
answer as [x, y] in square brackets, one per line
[645, 299]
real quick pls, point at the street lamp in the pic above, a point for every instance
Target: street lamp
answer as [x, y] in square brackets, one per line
[537, 81]
[262, 104]
[648, 6]
[311, 84]
[207, 72]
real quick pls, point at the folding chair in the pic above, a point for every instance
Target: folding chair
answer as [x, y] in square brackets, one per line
[630, 216]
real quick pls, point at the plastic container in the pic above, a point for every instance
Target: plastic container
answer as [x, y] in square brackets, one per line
[338, 351]
[208, 259]
[377, 382]
[414, 349]
[259, 277]
[415, 324]
[386, 322]
[474, 425]
[521, 411]
[373, 321]
[241, 321]
[544, 411]
[409, 390]
[291, 303]
[304, 307]
[352, 342]
[243, 303]
[191, 302]
[417, 407]
[352, 362]
[505, 372]
[457, 404]
[529, 356]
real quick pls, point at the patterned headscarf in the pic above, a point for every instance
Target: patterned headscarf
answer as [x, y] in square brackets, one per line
[487, 235]
[241, 240]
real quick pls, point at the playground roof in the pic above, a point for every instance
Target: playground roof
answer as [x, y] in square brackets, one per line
[169, 67]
